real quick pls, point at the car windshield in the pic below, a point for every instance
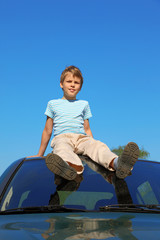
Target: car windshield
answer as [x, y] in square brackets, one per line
[34, 185]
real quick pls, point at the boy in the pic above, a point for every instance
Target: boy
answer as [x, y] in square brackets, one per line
[72, 134]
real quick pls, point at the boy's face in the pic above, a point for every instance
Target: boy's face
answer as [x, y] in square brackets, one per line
[71, 86]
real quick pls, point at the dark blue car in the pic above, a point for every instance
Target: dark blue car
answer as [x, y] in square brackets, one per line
[36, 204]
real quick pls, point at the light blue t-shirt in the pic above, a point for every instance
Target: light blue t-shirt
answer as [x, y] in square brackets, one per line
[68, 115]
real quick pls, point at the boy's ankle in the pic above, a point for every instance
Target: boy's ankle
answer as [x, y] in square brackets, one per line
[113, 163]
[78, 168]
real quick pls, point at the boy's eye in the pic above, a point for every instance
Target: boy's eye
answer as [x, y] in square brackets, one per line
[69, 81]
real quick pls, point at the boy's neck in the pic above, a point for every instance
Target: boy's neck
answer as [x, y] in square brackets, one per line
[69, 99]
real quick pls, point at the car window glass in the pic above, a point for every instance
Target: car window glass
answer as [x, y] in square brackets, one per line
[31, 186]
[7, 173]
[147, 193]
[35, 185]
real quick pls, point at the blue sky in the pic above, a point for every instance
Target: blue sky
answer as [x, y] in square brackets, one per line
[115, 43]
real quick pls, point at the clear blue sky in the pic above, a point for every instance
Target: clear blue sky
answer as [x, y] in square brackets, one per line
[115, 43]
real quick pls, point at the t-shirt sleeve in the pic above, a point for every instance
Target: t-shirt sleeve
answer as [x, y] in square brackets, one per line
[87, 112]
[49, 110]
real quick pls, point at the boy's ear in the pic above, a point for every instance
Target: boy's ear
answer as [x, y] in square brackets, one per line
[61, 85]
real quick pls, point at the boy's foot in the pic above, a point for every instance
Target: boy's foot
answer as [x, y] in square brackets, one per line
[58, 166]
[127, 160]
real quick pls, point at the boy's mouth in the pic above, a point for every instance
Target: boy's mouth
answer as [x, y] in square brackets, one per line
[72, 90]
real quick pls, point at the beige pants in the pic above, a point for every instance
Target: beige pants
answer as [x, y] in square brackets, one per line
[68, 145]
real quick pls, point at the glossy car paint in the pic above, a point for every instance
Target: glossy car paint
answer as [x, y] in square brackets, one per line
[80, 226]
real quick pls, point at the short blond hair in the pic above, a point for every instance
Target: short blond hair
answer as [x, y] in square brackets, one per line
[74, 70]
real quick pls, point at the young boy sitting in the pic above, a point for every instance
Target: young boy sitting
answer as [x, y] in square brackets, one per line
[68, 117]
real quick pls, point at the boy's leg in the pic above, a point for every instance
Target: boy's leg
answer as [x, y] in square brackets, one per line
[96, 150]
[100, 153]
[63, 161]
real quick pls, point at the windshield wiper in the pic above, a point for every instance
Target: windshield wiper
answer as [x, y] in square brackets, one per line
[42, 209]
[139, 208]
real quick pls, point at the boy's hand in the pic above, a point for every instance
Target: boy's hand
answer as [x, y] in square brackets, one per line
[34, 156]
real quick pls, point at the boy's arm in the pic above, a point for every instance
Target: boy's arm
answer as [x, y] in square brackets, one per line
[46, 135]
[87, 128]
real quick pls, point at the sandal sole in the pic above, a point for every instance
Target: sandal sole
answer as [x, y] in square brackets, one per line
[58, 166]
[127, 160]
